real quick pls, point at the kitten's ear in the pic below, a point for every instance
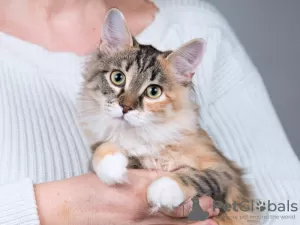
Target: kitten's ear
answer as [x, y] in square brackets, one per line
[184, 61]
[115, 35]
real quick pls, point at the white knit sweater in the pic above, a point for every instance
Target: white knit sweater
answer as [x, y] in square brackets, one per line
[40, 140]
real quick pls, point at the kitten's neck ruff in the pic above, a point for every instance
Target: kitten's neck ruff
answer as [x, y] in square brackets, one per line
[141, 141]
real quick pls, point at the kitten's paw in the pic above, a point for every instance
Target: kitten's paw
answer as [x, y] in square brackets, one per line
[165, 192]
[112, 169]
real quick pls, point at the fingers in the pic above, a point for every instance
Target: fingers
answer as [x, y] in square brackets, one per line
[206, 204]
[206, 222]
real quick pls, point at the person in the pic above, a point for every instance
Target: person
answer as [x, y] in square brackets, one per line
[44, 159]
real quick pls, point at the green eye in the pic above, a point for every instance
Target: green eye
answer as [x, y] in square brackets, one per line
[117, 78]
[153, 91]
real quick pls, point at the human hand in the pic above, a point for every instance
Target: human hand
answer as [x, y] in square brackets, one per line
[85, 200]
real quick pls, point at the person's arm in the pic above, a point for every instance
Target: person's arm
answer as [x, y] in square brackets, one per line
[240, 117]
[17, 203]
[86, 200]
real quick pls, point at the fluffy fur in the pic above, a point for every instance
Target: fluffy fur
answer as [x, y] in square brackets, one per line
[127, 127]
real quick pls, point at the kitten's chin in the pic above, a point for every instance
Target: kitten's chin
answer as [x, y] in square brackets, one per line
[125, 121]
[133, 123]
[135, 120]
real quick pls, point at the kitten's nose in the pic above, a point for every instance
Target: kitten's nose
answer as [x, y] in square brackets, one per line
[126, 108]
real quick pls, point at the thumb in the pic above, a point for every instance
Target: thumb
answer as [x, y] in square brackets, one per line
[206, 222]
[206, 204]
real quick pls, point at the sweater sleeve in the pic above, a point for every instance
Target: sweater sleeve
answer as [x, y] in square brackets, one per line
[17, 204]
[241, 119]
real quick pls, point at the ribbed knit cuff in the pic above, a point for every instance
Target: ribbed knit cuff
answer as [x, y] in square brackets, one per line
[17, 204]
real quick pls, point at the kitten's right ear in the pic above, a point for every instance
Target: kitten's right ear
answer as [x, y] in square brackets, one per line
[115, 35]
[185, 60]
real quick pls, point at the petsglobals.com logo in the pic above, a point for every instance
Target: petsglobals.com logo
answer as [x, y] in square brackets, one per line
[257, 205]
[264, 211]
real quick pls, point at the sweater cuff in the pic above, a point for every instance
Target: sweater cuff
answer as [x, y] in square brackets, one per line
[17, 204]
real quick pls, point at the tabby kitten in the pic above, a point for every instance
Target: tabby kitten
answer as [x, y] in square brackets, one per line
[135, 109]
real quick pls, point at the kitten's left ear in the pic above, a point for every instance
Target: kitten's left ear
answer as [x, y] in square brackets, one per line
[184, 61]
[115, 35]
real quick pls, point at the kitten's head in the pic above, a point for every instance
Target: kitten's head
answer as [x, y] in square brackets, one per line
[138, 84]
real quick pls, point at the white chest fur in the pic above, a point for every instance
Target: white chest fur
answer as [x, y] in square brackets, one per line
[136, 141]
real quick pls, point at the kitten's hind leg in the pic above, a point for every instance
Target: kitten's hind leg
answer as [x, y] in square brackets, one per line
[110, 163]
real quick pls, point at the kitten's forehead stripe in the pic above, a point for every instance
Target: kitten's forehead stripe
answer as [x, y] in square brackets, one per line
[138, 59]
[146, 56]
[150, 64]
[153, 75]
[129, 64]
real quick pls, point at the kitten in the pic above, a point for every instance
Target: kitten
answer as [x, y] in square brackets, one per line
[136, 111]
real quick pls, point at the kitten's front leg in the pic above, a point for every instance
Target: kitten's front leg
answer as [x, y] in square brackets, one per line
[165, 192]
[171, 190]
[110, 163]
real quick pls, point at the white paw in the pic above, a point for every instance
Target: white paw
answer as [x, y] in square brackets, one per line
[165, 192]
[112, 169]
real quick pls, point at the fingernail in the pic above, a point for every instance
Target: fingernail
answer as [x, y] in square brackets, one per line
[214, 212]
[217, 210]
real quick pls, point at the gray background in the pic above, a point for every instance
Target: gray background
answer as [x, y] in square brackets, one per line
[270, 33]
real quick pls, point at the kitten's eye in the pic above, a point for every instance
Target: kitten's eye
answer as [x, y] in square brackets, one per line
[117, 78]
[153, 91]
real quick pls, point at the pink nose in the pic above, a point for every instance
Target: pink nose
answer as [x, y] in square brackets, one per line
[126, 108]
